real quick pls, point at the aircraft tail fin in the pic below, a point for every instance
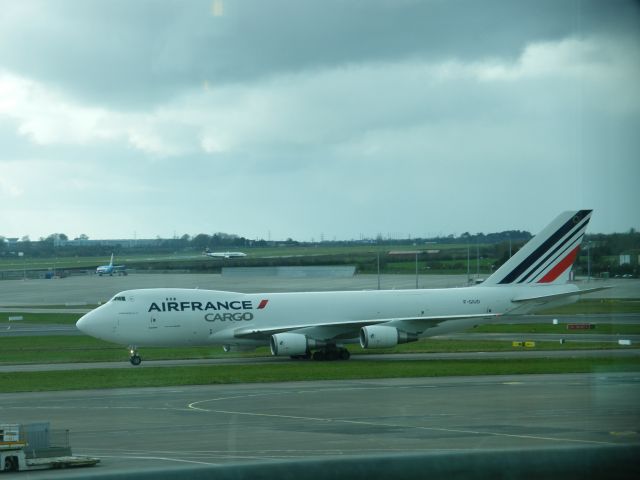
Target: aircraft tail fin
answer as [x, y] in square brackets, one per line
[547, 258]
[111, 261]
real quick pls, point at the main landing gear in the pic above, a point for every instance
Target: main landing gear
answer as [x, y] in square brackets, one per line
[134, 358]
[328, 353]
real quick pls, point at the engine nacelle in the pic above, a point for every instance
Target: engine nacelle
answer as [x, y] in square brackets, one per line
[381, 336]
[238, 348]
[291, 344]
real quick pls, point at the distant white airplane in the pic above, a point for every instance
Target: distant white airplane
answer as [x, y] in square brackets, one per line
[111, 268]
[224, 254]
[297, 324]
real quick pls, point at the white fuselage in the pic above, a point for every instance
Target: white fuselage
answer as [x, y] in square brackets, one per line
[226, 254]
[175, 317]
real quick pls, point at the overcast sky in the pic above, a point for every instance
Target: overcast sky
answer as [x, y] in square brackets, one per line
[334, 118]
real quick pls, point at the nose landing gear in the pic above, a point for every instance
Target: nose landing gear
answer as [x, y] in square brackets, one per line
[134, 358]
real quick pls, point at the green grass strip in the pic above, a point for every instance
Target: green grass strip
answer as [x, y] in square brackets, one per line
[302, 371]
[55, 306]
[73, 349]
[42, 318]
[597, 306]
[561, 329]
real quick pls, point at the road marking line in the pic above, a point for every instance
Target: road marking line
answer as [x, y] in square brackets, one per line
[391, 425]
[136, 457]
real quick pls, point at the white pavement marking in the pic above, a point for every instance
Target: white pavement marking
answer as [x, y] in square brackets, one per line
[193, 406]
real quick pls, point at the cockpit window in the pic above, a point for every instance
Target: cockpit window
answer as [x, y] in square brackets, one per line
[119, 299]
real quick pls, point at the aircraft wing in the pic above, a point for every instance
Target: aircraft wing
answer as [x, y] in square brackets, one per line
[537, 298]
[331, 330]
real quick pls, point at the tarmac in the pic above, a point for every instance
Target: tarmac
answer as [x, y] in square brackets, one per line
[140, 429]
[132, 430]
[76, 291]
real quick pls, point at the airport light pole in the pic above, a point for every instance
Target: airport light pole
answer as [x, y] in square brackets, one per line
[589, 261]
[406, 253]
[24, 265]
[477, 259]
[468, 265]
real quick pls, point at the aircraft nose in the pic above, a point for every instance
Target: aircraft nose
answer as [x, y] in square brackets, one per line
[83, 323]
[94, 324]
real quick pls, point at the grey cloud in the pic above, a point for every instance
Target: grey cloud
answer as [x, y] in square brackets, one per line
[133, 54]
[320, 117]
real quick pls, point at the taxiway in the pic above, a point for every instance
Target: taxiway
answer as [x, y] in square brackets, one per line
[138, 429]
[92, 289]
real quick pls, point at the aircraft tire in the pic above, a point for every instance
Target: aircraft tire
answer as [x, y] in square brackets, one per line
[305, 356]
[135, 360]
[319, 356]
[344, 354]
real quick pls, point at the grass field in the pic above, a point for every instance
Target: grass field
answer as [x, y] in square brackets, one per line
[561, 329]
[61, 262]
[597, 306]
[76, 349]
[450, 259]
[301, 371]
[43, 318]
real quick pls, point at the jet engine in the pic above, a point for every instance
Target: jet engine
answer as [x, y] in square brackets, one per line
[291, 344]
[381, 336]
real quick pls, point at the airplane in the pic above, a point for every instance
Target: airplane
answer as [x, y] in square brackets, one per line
[224, 254]
[318, 325]
[111, 269]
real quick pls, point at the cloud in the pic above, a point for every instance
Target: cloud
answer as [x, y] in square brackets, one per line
[125, 55]
[245, 123]
[340, 105]
[47, 117]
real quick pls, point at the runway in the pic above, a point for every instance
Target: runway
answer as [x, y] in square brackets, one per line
[92, 289]
[137, 429]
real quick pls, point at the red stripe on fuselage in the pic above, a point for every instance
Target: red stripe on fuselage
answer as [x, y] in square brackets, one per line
[560, 268]
[263, 303]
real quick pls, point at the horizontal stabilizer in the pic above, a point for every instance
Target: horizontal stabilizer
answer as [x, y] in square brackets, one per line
[532, 298]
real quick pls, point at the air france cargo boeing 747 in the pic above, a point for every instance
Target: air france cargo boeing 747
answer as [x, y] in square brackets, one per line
[319, 324]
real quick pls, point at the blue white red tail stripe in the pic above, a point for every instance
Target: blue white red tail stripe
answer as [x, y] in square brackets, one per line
[570, 243]
[561, 267]
[548, 257]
